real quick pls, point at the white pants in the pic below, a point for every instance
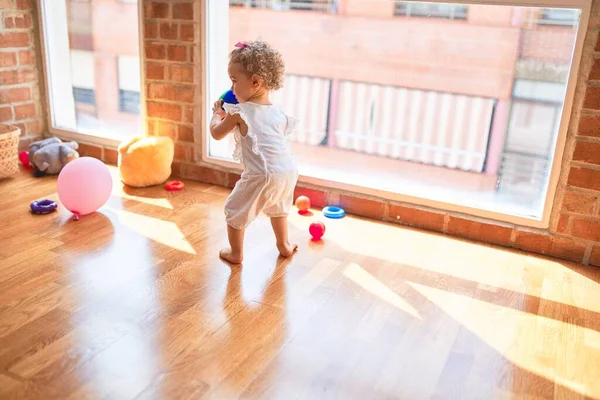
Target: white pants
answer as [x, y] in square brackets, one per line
[272, 194]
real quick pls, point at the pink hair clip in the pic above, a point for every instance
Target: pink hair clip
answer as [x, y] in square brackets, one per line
[241, 45]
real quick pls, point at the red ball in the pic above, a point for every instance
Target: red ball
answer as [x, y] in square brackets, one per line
[24, 158]
[303, 204]
[317, 230]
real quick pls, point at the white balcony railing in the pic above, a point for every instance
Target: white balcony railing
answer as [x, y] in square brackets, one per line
[422, 126]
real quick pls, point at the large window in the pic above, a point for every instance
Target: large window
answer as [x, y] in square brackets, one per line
[93, 67]
[463, 107]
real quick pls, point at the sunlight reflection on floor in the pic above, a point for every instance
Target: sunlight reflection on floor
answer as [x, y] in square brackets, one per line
[526, 339]
[371, 284]
[163, 232]
[119, 191]
[446, 256]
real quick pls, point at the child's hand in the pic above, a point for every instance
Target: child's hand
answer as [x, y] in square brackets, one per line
[218, 110]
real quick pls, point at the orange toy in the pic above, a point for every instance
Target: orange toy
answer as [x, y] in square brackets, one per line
[303, 204]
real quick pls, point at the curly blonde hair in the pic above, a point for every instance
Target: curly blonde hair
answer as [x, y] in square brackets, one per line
[258, 57]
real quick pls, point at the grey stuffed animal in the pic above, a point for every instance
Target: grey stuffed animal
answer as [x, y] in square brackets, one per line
[50, 155]
[35, 146]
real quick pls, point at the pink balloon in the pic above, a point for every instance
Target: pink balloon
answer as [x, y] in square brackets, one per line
[84, 185]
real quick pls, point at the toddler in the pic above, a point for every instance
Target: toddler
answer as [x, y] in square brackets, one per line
[261, 133]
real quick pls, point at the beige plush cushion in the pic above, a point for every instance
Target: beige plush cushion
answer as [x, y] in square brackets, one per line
[146, 161]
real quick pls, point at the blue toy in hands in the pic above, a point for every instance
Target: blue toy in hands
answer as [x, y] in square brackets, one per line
[228, 97]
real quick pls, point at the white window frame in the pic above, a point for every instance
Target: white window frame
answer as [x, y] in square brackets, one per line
[210, 14]
[57, 100]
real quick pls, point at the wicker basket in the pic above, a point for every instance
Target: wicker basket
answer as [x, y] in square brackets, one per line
[9, 150]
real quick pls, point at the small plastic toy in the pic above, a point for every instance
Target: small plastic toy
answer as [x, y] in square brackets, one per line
[24, 158]
[334, 212]
[303, 204]
[174, 185]
[317, 230]
[228, 97]
[43, 206]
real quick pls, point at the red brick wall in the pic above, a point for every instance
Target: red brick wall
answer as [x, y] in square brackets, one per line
[20, 77]
[171, 45]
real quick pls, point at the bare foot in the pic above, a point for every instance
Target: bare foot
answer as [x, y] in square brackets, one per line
[286, 250]
[227, 255]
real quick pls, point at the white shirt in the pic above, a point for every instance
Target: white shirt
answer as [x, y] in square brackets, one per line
[266, 147]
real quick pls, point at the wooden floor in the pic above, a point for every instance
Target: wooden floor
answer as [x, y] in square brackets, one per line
[134, 303]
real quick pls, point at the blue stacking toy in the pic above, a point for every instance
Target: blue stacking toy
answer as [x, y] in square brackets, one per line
[228, 97]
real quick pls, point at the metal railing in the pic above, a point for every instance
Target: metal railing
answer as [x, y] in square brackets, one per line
[328, 6]
[559, 17]
[431, 10]
[129, 101]
[522, 173]
[84, 96]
